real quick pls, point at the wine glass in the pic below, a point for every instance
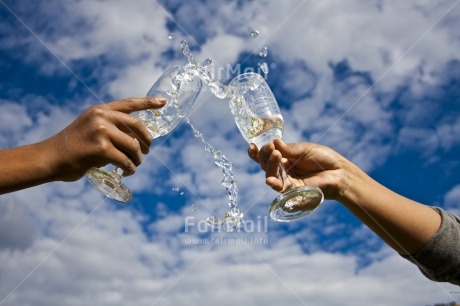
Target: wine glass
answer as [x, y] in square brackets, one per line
[259, 120]
[180, 89]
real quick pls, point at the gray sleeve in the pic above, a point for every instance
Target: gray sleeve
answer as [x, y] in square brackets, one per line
[439, 259]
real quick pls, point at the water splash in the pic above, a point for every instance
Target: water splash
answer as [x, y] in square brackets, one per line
[186, 51]
[233, 219]
[196, 69]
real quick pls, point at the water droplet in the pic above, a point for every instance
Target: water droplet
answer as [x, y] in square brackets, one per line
[263, 52]
[227, 182]
[176, 189]
[209, 148]
[181, 193]
[193, 207]
[227, 168]
[214, 222]
[217, 154]
[198, 134]
[186, 51]
[171, 36]
[207, 62]
[254, 33]
[235, 212]
[264, 67]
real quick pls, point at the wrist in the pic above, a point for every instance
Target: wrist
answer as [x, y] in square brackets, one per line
[352, 184]
[48, 154]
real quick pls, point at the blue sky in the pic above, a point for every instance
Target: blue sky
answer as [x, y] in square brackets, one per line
[378, 81]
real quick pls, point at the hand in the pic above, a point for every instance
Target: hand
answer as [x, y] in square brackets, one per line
[103, 134]
[305, 164]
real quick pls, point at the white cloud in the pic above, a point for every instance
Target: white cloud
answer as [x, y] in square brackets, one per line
[421, 139]
[17, 229]
[15, 120]
[452, 200]
[366, 34]
[100, 263]
[223, 56]
[447, 134]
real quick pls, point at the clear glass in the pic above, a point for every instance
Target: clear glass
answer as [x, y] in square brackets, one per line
[259, 120]
[180, 90]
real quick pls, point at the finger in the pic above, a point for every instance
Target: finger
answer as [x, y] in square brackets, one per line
[132, 126]
[274, 183]
[265, 153]
[130, 105]
[323, 183]
[140, 132]
[253, 152]
[273, 164]
[120, 160]
[128, 145]
[267, 149]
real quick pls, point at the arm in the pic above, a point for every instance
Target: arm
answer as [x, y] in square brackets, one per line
[427, 237]
[403, 224]
[102, 134]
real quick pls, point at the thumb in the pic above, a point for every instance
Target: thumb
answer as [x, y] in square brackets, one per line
[253, 152]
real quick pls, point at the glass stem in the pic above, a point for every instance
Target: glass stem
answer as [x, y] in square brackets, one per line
[285, 179]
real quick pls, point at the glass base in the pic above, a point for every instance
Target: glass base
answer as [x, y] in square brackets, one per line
[109, 184]
[296, 203]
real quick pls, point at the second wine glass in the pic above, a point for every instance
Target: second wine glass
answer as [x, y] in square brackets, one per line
[259, 120]
[180, 89]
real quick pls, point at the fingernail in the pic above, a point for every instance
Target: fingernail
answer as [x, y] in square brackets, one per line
[252, 146]
[161, 99]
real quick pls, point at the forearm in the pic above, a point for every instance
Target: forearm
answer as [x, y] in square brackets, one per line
[26, 166]
[403, 224]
